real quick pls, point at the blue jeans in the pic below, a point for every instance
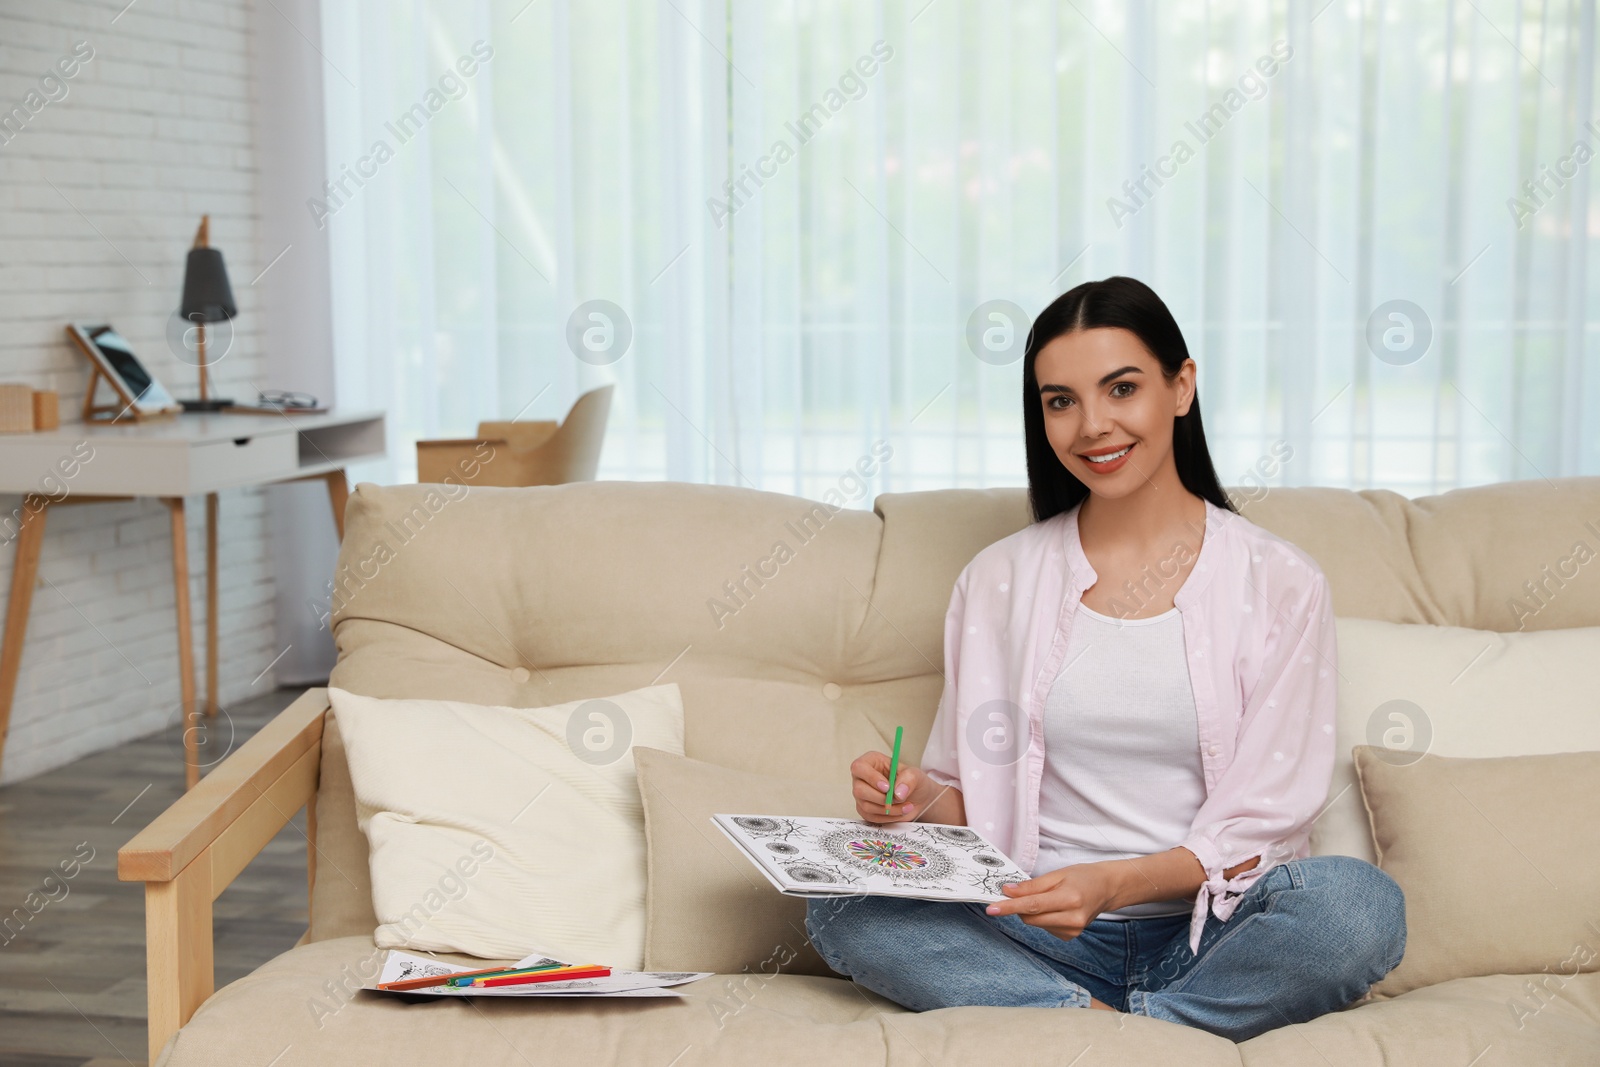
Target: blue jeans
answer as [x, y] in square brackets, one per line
[1309, 937]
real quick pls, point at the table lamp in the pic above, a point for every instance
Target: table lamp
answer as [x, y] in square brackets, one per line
[207, 297]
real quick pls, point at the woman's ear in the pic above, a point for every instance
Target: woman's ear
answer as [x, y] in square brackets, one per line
[1183, 382]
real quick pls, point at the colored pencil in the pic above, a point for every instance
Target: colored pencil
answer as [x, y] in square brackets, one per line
[894, 765]
[551, 976]
[440, 979]
[516, 972]
[469, 977]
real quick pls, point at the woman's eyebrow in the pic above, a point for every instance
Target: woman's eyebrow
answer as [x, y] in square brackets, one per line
[1119, 372]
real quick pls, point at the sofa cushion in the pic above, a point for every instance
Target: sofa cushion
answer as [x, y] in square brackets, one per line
[309, 1000]
[1499, 860]
[502, 831]
[1452, 692]
[709, 908]
[1501, 1019]
[1509, 556]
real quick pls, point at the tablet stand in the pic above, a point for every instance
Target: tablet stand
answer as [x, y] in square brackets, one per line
[119, 412]
[124, 409]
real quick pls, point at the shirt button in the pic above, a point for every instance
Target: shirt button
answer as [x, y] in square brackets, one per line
[1213, 749]
[520, 674]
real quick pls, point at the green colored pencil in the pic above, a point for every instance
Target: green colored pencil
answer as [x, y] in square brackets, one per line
[894, 765]
[469, 977]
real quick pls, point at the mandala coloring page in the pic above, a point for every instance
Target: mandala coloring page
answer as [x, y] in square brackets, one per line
[929, 861]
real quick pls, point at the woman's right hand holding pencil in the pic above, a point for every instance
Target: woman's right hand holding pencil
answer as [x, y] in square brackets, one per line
[915, 794]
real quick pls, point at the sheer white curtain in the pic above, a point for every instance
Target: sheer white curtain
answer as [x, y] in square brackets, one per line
[1371, 220]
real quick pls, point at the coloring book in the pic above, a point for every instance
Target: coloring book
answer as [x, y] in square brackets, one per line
[813, 857]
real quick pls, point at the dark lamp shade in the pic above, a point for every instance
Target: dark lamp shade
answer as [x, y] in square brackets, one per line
[207, 297]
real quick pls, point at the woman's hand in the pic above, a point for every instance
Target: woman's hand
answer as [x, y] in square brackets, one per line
[870, 780]
[1063, 902]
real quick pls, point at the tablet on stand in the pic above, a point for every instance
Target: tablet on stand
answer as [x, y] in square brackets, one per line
[140, 394]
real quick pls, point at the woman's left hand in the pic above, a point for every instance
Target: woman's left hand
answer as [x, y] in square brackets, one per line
[1063, 902]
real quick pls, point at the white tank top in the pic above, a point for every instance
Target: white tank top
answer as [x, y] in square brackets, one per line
[1122, 775]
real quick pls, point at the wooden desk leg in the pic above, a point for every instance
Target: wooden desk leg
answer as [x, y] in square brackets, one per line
[180, 585]
[339, 496]
[24, 574]
[211, 605]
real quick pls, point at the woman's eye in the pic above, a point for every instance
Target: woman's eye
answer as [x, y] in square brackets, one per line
[1120, 389]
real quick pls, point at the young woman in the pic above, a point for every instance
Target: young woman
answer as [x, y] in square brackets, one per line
[1138, 709]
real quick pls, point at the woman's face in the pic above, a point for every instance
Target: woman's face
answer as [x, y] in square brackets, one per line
[1108, 409]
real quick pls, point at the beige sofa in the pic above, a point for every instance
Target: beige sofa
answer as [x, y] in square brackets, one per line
[605, 586]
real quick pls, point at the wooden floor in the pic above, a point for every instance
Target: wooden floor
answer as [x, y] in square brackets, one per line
[72, 987]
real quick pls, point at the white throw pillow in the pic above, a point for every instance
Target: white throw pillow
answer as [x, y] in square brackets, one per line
[1451, 691]
[500, 832]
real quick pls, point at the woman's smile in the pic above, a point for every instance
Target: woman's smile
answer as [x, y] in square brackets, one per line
[1107, 460]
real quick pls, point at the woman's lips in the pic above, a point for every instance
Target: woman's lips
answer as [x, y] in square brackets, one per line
[1111, 465]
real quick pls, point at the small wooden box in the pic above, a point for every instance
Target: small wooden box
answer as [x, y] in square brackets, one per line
[46, 409]
[16, 408]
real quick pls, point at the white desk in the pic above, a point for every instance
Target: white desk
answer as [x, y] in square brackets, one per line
[169, 458]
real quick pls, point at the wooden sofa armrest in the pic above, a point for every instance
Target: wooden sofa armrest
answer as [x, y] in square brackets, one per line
[192, 851]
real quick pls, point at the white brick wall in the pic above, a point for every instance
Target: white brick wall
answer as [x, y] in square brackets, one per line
[154, 131]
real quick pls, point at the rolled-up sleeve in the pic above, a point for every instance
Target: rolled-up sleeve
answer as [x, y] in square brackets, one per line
[1277, 781]
[941, 758]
